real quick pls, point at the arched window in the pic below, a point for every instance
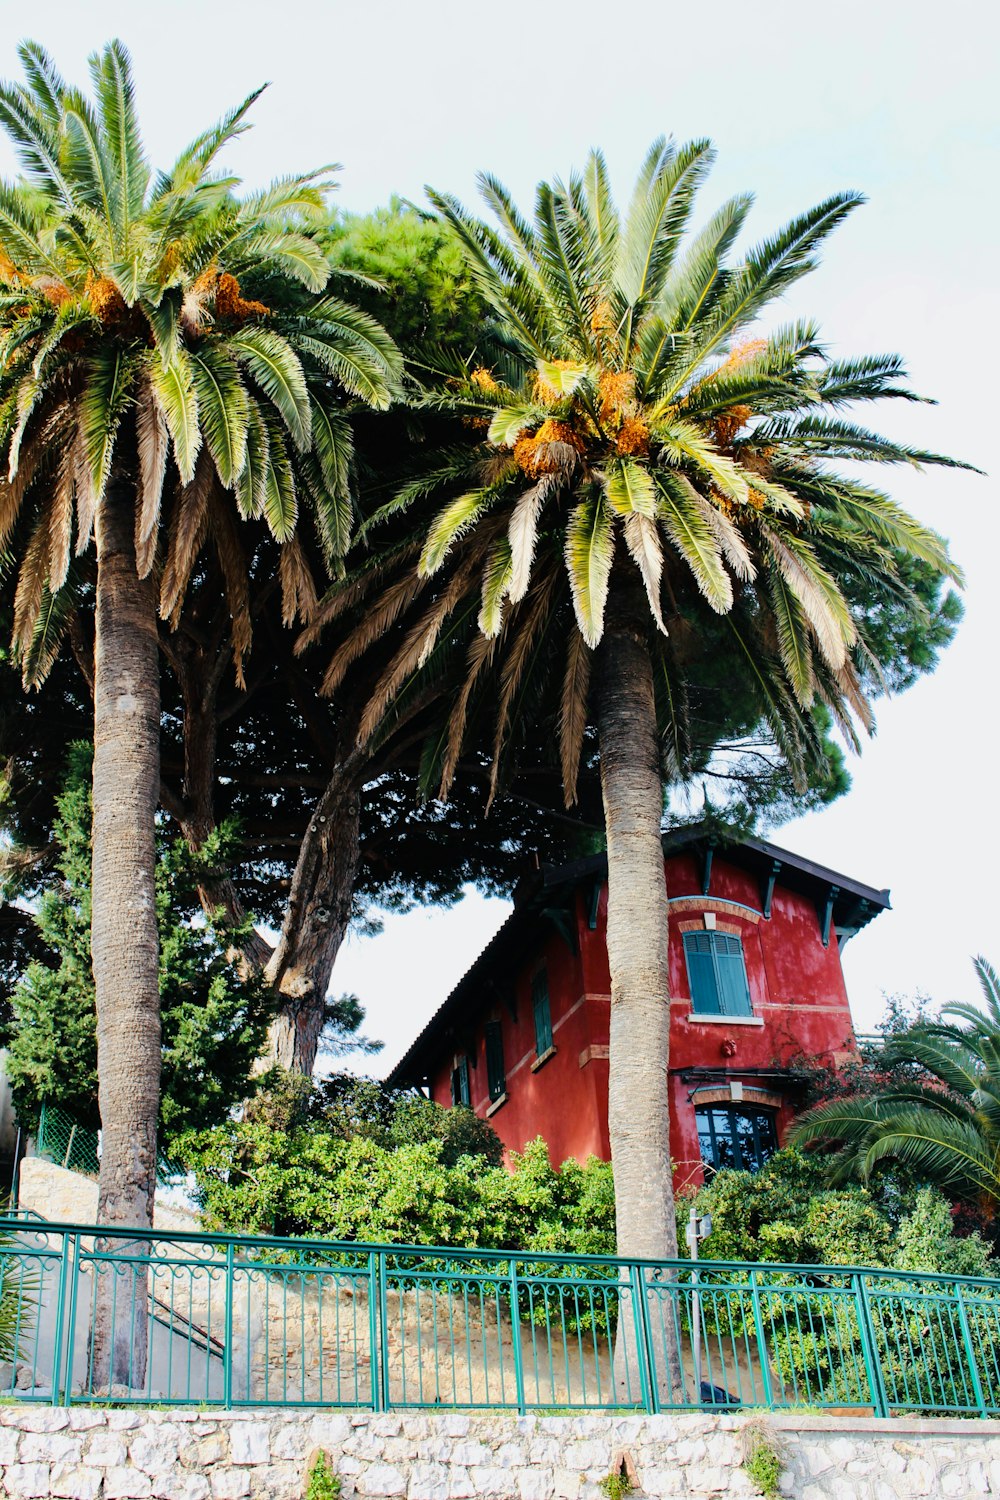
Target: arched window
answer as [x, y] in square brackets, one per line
[738, 1136]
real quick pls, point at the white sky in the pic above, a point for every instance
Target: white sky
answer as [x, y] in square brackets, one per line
[896, 99]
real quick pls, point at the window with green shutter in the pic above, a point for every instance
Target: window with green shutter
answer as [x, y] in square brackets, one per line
[460, 1083]
[717, 974]
[543, 1014]
[496, 1078]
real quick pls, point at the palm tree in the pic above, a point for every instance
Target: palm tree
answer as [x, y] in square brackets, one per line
[624, 400]
[944, 1124]
[171, 365]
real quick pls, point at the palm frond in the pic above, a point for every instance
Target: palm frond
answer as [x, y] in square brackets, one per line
[682, 516]
[573, 712]
[111, 71]
[223, 410]
[590, 552]
[642, 538]
[272, 362]
[188, 528]
[173, 382]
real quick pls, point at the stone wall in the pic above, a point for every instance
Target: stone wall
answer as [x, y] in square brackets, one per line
[65, 1197]
[83, 1453]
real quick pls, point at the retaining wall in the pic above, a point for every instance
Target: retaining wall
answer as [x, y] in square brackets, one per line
[85, 1453]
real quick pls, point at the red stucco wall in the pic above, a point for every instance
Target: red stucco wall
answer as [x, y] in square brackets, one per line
[797, 991]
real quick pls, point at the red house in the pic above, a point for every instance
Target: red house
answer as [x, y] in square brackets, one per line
[756, 989]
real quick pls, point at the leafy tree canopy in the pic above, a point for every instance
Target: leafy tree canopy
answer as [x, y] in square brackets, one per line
[214, 1021]
[425, 295]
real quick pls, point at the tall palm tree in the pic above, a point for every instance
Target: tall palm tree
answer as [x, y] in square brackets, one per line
[171, 364]
[627, 400]
[944, 1125]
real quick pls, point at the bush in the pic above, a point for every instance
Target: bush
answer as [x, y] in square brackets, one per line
[397, 1181]
[361, 1107]
[785, 1212]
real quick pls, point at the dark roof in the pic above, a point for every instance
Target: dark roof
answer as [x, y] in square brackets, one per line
[548, 890]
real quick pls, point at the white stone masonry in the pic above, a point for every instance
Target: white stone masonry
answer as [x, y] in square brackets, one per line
[86, 1453]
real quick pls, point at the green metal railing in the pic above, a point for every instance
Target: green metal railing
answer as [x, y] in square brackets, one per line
[252, 1321]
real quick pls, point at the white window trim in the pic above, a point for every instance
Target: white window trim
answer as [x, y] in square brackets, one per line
[698, 1018]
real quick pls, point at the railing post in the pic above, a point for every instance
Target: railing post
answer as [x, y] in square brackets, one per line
[762, 1354]
[643, 1341]
[227, 1353]
[57, 1346]
[869, 1348]
[963, 1323]
[515, 1336]
[383, 1304]
[375, 1323]
[71, 1328]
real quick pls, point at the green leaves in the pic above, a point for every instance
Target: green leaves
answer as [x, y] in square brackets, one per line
[817, 592]
[662, 201]
[332, 448]
[509, 422]
[457, 517]
[793, 637]
[941, 1118]
[496, 582]
[682, 514]
[279, 499]
[564, 377]
[128, 171]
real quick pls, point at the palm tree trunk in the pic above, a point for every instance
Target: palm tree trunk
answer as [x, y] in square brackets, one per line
[638, 1099]
[124, 942]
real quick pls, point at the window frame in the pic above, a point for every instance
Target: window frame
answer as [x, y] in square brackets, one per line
[714, 945]
[763, 1149]
[461, 1095]
[496, 1072]
[541, 1003]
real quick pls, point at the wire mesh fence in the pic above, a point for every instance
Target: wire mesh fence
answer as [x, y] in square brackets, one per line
[63, 1140]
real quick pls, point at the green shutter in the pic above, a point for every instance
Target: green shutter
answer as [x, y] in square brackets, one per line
[734, 992]
[495, 1075]
[701, 973]
[717, 974]
[543, 1014]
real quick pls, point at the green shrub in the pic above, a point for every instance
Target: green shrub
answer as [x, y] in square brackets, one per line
[214, 1020]
[762, 1458]
[786, 1212]
[616, 1486]
[263, 1176]
[321, 1482]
